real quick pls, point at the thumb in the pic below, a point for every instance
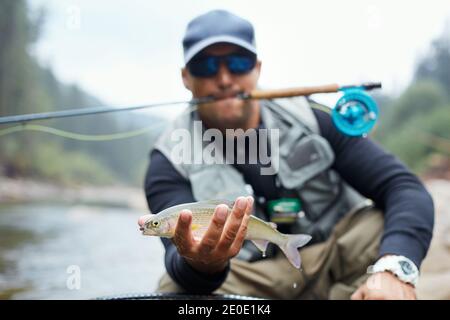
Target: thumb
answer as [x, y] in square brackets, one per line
[359, 294]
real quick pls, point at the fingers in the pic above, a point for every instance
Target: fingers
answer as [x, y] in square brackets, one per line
[358, 294]
[384, 286]
[214, 232]
[223, 238]
[233, 223]
[183, 236]
[237, 244]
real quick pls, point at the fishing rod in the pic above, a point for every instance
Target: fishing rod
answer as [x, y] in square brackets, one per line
[354, 114]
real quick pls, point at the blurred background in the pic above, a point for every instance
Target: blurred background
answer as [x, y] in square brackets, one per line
[69, 200]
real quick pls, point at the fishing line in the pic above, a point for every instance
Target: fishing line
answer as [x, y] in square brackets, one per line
[103, 137]
[85, 137]
[322, 108]
[75, 135]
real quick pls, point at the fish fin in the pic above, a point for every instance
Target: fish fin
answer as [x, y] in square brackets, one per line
[216, 202]
[261, 245]
[289, 247]
[273, 225]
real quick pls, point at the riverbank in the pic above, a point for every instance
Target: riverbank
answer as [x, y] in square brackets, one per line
[20, 191]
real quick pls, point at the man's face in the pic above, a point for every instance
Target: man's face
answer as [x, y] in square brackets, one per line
[230, 112]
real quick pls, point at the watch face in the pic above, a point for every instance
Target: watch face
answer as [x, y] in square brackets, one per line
[406, 267]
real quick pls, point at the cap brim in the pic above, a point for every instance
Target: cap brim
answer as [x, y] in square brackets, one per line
[188, 55]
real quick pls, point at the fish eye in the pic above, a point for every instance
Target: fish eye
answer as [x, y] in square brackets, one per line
[155, 224]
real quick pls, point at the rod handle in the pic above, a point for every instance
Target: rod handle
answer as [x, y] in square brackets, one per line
[292, 92]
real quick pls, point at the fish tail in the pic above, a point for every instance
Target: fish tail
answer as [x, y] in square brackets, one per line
[290, 245]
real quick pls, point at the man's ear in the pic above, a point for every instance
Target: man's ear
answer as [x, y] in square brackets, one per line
[186, 78]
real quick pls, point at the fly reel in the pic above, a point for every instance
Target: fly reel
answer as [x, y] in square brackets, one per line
[355, 112]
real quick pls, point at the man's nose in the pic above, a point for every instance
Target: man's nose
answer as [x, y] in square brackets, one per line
[224, 77]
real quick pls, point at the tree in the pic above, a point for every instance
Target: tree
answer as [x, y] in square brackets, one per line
[436, 64]
[416, 125]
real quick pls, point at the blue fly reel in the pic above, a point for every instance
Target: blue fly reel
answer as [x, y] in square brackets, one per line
[355, 112]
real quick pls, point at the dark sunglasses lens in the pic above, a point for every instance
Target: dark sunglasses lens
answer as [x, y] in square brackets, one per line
[241, 64]
[204, 66]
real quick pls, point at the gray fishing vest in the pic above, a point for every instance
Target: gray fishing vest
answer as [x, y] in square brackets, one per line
[305, 160]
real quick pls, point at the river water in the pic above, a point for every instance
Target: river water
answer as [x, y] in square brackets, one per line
[50, 251]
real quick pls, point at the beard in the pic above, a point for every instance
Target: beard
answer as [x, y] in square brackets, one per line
[227, 114]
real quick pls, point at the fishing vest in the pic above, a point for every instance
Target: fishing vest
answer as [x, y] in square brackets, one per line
[304, 167]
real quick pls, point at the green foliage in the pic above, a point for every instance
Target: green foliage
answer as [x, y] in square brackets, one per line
[419, 100]
[27, 87]
[435, 65]
[407, 142]
[417, 124]
[57, 164]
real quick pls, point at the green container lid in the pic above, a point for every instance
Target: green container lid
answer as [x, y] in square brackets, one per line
[284, 205]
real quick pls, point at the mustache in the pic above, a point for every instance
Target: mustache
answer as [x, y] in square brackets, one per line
[224, 94]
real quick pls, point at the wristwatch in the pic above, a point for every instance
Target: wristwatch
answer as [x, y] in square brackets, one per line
[400, 266]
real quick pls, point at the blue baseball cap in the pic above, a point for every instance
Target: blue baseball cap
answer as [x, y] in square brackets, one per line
[217, 26]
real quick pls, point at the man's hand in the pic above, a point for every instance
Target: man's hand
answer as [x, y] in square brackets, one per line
[222, 240]
[384, 286]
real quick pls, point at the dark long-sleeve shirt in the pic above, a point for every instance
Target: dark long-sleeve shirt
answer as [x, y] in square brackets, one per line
[376, 174]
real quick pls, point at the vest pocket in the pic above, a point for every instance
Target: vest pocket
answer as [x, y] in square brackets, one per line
[218, 182]
[306, 158]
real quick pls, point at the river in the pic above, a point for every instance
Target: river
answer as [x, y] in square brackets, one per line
[50, 251]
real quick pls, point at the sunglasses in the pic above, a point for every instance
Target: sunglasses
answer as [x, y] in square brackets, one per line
[206, 66]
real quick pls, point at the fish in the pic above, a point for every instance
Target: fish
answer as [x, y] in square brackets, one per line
[260, 232]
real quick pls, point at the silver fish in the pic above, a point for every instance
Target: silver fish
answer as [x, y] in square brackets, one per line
[259, 231]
